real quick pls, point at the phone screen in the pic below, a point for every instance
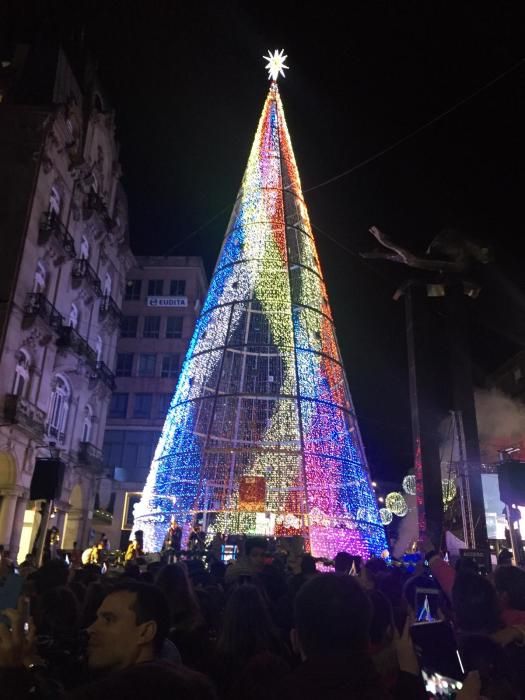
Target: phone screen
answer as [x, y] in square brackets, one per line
[438, 686]
[437, 651]
[426, 604]
[9, 593]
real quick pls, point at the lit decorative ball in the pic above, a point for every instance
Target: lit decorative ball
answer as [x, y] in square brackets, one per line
[396, 503]
[409, 484]
[449, 490]
[386, 516]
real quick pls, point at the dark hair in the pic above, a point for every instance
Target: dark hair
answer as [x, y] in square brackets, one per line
[504, 557]
[343, 562]
[174, 582]
[308, 564]
[332, 613]
[247, 628]
[254, 542]
[57, 612]
[150, 605]
[382, 617]
[475, 604]
[511, 580]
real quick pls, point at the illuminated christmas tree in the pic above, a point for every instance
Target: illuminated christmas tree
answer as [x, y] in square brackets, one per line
[261, 435]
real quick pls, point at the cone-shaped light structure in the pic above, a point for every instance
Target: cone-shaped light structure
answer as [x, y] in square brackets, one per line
[261, 435]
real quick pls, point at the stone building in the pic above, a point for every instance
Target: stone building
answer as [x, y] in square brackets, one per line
[63, 264]
[161, 305]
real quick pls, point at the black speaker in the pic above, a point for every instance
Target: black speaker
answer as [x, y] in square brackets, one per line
[47, 479]
[511, 477]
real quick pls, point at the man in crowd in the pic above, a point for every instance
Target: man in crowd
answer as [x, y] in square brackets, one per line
[123, 654]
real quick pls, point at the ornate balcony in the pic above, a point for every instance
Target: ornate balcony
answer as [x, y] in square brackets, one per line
[27, 415]
[52, 228]
[95, 205]
[69, 338]
[109, 310]
[105, 375]
[82, 272]
[90, 456]
[37, 305]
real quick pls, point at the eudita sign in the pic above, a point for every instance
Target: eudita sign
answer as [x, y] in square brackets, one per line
[167, 301]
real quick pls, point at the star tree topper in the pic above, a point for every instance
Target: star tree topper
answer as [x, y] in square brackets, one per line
[275, 64]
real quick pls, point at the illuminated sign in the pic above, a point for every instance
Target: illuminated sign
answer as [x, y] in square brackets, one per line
[167, 302]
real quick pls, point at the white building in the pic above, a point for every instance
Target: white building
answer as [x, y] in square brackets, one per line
[63, 263]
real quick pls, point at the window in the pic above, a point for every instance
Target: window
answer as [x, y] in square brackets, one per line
[133, 290]
[151, 327]
[124, 364]
[142, 405]
[55, 201]
[174, 327]
[87, 425]
[98, 348]
[107, 285]
[170, 366]
[177, 288]
[163, 405]
[73, 316]
[58, 409]
[131, 450]
[147, 365]
[21, 373]
[128, 327]
[118, 407]
[84, 248]
[39, 281]
[155, 288]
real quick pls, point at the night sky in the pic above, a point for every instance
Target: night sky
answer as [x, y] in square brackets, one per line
[188, 83]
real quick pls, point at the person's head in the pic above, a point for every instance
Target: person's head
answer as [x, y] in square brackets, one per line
[343, 563]
[57, 613]
[175, 583]
[382, 624]
[475, 604]
[131, 626]
[510, 587]
[197, 527]
[308, 567]
[505, 558]
[332, 614]
[255, 548]
[247, 628]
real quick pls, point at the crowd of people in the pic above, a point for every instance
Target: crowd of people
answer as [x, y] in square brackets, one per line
[254, 628]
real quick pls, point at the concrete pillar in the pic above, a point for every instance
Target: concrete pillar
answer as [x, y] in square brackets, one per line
[18, 524]
[7, 514]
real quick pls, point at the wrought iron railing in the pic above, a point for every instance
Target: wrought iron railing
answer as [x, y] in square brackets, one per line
[51, 226]
[26, 414]
[96, 204]
[82, 270]
[106, 375]
[109, 309]
[37, 305]
[90, 456]
[69, 338]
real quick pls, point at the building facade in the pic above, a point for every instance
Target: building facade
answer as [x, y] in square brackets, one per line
[161, 304]
[65, 256]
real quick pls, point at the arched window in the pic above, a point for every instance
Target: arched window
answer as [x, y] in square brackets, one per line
[58, 410]
[39, 280]
[55, 201]
[84, 248]
[88, 424]
[107, 285]
[21, 380]
[98, 348]
[73, 316]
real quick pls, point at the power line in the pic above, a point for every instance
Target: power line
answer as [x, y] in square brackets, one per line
[421, 128]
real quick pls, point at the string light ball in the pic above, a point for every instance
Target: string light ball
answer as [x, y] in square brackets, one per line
[409, 484]
[449, 490]
[396, 503]
[386, 516]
